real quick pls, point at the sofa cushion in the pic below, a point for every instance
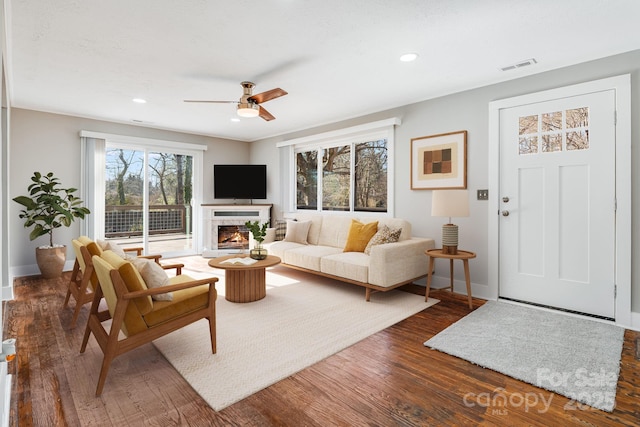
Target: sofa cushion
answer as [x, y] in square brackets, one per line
[395, 223]
[308, 256]
[184, 301]
[297, 231]
[359, 235]
[350, 265]
[316, 225]
[334, 231]
[382, 236]
[279, 248]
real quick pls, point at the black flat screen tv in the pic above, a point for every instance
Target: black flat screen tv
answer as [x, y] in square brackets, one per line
[240, 181]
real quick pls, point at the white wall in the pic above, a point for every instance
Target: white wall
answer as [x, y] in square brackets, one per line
[50, 142]
[469, 111]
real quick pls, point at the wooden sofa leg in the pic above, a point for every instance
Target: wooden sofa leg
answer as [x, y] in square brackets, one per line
[367, 295]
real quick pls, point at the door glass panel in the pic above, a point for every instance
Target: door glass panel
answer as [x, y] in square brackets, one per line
[528, 145]
[578, 140]
[552, 142]
[528, 124]
[552, 121]
[163, 224]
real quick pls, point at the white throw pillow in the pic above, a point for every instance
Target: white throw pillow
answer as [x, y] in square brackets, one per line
[297, 231]
[154, 276]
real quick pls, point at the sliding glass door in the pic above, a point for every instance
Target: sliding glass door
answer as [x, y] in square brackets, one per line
[149, 199]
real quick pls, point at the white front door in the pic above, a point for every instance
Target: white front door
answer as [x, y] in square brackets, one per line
[557, 203]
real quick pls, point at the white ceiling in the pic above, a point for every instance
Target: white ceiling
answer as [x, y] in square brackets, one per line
[337, 58]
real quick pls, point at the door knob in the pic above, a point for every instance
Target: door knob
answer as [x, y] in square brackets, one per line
[505, 213]
[505, 199]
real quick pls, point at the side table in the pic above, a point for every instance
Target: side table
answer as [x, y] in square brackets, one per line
[465, 256]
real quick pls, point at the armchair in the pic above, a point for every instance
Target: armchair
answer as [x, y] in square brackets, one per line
[83, 280]
[134, 313]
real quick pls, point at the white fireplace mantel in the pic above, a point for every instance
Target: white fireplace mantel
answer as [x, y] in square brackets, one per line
[215, 215]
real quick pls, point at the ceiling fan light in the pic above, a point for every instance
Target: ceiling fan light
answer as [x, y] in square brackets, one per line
[249, 109]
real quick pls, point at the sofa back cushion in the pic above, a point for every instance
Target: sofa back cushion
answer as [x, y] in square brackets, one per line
[334, 231]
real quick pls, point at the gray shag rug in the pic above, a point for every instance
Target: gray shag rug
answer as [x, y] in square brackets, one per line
[575, 357]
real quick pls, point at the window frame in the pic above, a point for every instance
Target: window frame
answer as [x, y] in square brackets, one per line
[383, 129]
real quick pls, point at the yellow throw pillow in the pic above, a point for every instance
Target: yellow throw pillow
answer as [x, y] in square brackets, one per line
[359, 235]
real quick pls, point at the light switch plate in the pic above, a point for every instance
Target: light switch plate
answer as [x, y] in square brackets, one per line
[483, 194]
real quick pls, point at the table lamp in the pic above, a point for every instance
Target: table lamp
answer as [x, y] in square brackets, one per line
[450, 203]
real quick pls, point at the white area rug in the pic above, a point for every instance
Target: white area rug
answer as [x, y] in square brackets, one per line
[571, 356]
[302, 320]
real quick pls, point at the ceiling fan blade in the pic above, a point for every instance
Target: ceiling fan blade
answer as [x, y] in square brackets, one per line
[265, 114]
[211, 102]
[268, 95]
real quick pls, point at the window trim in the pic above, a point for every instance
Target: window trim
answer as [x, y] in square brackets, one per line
[383, 129]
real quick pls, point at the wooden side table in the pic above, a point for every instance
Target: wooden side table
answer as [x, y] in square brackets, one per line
[244, 283]
[465, 256]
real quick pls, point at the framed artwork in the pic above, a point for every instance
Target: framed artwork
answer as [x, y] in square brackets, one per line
[439, 161]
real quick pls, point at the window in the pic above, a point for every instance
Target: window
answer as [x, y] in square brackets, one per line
[354, 177]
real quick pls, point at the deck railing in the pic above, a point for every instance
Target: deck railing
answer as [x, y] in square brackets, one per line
[163, 219]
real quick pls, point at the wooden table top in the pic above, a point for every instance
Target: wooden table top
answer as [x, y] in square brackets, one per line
[269, 261]
[437, 253]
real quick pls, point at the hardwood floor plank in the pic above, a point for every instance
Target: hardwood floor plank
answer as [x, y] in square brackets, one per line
[389, 378]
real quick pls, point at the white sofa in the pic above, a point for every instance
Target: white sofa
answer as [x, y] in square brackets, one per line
[388, 265]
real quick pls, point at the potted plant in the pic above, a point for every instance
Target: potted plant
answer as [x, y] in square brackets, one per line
[47, 207]
[258, 232]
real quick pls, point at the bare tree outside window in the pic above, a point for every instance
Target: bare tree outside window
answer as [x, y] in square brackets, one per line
[336, 178]
[354, 177]
[371, 176]
[307, 180]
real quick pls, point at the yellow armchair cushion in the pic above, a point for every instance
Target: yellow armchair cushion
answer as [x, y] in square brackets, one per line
[184, 301]
[131, 278]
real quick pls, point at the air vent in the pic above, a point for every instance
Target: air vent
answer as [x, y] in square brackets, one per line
[519, 64]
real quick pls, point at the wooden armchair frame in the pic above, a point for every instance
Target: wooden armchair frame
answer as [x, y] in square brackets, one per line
[109, 341]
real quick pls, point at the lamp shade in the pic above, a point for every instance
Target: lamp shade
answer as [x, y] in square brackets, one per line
[450, 203]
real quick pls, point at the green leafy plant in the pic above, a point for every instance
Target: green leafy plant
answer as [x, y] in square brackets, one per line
[49, 206]
[258, 231]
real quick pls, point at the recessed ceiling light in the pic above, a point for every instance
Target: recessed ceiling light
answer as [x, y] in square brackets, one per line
[235, 119]
[408, 57]
[139, 100]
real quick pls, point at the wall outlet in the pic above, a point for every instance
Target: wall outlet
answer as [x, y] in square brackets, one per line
[483, 194]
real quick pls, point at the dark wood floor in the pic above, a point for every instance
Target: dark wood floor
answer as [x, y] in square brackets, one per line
[387, 379]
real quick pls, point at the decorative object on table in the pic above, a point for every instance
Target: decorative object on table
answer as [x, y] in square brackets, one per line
[49, 206]
[450, 203]
[439, 161]
[258, 232]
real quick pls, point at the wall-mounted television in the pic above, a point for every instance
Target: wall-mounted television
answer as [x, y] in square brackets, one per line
[240, 181]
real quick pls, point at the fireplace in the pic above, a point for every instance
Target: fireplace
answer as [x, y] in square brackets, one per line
[233, 237]
[224, 230]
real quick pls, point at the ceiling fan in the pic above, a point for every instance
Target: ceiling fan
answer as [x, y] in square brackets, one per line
[249, 105]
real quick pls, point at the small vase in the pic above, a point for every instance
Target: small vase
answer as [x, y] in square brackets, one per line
[258, 252]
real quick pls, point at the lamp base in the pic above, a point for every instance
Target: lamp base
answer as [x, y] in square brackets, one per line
[450, 239]
[450, 250]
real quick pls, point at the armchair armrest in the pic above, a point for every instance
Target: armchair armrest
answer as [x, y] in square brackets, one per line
[137, 250]
[155, 257]
[170, 288]
[178, 267]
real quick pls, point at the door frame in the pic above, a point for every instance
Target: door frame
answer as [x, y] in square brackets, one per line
[622, 87]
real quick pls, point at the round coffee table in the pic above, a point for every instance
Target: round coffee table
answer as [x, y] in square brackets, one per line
[244, 283]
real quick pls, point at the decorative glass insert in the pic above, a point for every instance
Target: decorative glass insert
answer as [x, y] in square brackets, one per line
[552, 142]
[552, 121]
[554, 131]
[528, 124]
[578, 140]
[529, 145]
